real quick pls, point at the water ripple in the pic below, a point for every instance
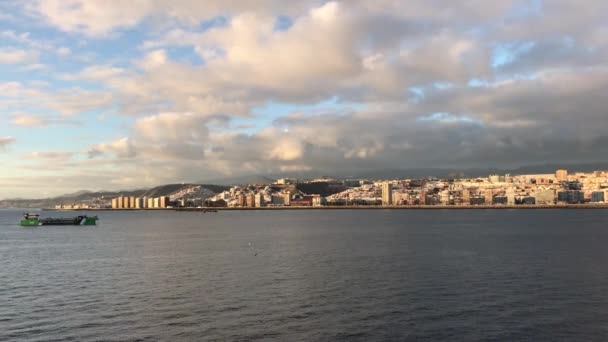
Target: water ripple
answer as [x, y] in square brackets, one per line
[304, 276]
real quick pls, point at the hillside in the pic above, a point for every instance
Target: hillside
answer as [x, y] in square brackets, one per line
[100, 197]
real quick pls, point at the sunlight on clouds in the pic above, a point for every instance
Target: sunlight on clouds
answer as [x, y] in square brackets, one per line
[201, 89]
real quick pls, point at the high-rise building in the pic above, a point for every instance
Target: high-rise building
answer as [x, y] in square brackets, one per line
[241, 200]
[466, 197]
[422, 197]
[132, 202]
[397, 198]
[163, 202]
[114, 203]
[510, 193]
[150, 203]
[250, 199]
[387, 194]
[561, 175]
[489, 197]
[317, 200]
[139, 203]
[444, 197]
[259, 200]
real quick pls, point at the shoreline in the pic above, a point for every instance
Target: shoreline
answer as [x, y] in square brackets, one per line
[401, 207]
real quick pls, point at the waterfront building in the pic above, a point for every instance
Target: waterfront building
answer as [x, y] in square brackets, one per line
[163, 202]
[510, 194]
[317, 200]
[571, 196]
[561, 175]
[477, 200]
[241, 200]
[301, 202]
[277, 200]
[529, 200]
[444, 197]
[139, 203]
[545, 197]
[387, 193]
[114, 203]
[488, 197]
[287, 198]
[400, 198]
[466, 197]
[150, 203]
[597, 197]
[156, 203]
[259, 200]
[422, 197]
[250, 200]
[500, 200]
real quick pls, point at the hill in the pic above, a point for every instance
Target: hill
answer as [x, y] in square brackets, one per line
[105, 196]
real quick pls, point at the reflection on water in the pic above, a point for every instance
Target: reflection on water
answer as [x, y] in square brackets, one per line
[308, 275]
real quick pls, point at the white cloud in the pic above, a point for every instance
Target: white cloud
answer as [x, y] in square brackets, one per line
[35, 67]
[96, 73]
[154, 59]
[64, 51]
[26, 120]
[92, 17]
[50, 155]
[64, 101]
[32, 120]
[5, 141]
[212, 100]
[101, 17]
[16, 56]
[120, 148]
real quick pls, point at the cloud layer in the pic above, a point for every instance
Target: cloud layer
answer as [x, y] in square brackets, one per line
[215, 88]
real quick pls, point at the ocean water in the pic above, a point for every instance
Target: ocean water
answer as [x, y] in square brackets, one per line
[357, 275]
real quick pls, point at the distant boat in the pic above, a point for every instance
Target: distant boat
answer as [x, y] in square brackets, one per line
[34, 220]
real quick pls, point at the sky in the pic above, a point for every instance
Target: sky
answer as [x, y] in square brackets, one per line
[123, 94]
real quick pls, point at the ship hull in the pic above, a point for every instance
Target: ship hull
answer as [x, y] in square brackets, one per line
[76, 221]
[30, 223]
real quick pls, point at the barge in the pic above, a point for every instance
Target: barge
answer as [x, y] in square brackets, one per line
[34, 220]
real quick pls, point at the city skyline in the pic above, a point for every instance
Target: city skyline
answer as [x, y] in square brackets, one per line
[117, 95]
[540, 190]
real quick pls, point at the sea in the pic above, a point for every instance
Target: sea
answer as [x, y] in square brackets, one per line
[318, 275]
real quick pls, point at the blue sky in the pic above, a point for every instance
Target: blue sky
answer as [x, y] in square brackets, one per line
[109, 94]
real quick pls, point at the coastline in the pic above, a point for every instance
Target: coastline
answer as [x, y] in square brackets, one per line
[401, 207]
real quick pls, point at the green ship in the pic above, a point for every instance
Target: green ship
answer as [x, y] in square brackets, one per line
[34, 220]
